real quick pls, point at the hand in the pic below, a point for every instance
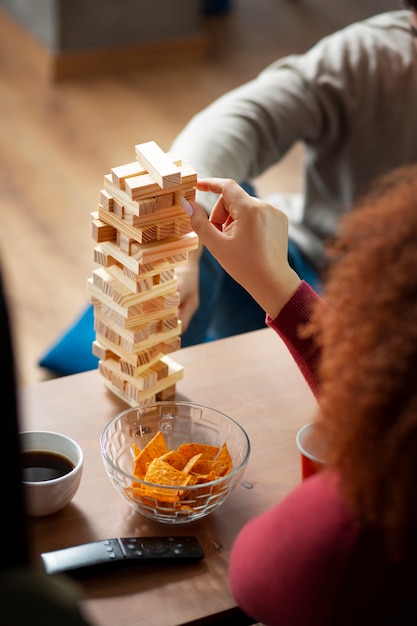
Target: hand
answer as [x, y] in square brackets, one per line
[249, 238]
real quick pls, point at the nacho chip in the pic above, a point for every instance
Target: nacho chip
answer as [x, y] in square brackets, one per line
[148, 495]
[205, 478]
[155, 448]
[191, 464]
[141, 463]
[157, 445]
[222, 464]
[162, 473]
[174, 459]
[188, 450]
[189, 468]
[202, 466]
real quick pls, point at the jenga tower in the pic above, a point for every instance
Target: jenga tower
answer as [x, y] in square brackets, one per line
[142, 234]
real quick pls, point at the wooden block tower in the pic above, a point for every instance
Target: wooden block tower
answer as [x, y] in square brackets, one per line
[142, 234]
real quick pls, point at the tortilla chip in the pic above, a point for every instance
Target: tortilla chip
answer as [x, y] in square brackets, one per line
[202, 466]
[188, 450]
[222, 464]
[189, 468]
[156, 447]
[174, 459]
[162, 473]
[191, 464]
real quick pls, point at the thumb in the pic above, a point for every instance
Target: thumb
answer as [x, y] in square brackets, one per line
[207, 232]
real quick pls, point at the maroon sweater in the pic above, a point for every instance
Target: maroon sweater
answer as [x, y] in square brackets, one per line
[305, 562]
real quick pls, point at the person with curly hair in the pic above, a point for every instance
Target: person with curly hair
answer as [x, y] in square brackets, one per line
[341, 548]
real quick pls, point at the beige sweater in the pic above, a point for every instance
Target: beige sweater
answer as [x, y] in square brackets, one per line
[351, 100]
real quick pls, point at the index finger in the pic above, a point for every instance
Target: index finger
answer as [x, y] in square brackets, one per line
[216, 185]
[231, 197]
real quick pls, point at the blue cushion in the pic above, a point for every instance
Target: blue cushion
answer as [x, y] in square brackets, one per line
[72, 351]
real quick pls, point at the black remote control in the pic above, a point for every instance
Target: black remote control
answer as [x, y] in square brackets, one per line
[107, 554]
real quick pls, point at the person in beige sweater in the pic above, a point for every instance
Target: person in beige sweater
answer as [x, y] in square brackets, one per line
[351, 100]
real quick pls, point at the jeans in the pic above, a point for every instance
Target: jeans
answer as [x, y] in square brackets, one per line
[226, 308]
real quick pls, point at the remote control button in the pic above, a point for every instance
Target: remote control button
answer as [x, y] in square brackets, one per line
[157, 547]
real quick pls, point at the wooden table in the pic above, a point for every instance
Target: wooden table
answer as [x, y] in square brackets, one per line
[252, 378]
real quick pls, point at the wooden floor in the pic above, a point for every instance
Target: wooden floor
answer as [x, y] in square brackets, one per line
[58, 140]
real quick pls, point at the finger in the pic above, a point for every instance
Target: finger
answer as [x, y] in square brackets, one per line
[215, 185]
[227, 187]
[231, 201]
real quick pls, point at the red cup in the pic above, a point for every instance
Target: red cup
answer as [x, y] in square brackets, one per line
[312, 460]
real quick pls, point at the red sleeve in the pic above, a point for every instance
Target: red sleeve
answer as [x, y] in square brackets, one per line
[283, 560]
[294, 314]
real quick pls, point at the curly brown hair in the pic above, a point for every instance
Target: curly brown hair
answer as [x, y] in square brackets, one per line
[367, 329]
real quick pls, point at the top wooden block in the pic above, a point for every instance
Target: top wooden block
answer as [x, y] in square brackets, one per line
[158, 164]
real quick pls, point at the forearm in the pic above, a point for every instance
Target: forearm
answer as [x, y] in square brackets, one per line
[245, 131]
[295, 314]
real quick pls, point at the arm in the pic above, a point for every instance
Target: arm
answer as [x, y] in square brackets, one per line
[249, 238]
[250, 128]
[295, 314]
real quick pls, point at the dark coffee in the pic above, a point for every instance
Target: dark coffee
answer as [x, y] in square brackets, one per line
[41, 465]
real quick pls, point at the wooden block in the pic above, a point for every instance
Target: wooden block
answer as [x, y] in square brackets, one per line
[188, 176]
[120, 173]
[144, 186]
[164, 276]
[106, 200]
[132, 340]
[124, 242]
[123, 297]
[101, 231]
[168, 247]
[165, 201]
[128, 363]
[121, 196]
[146, 378]
[152, 252]
[189, 194]
[118, 209]
[132, 362]
[109, 250]
[136, 284]
[145, 229]
[128, 316]
[100, 351]
[152, 310]
[129, 220]
[167, 394]
[103, 258]
[158, 164]
[163, 213]
[129, 393]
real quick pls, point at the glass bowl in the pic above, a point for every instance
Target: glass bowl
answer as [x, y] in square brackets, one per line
[180, 423]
